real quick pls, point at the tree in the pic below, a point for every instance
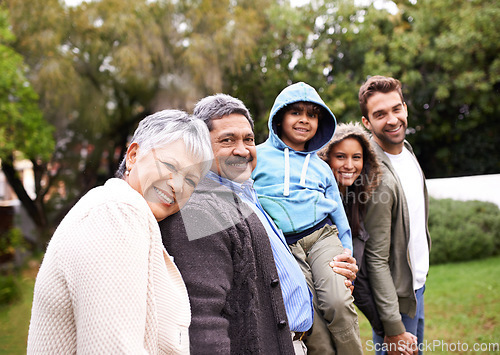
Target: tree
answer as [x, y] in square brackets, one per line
[275, 62]
[221, 36]
[446, 55]
[23, 131]
[454, 84]
[97, 69]
[100, 67]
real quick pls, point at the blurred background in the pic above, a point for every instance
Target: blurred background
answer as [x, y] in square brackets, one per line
[77, 76]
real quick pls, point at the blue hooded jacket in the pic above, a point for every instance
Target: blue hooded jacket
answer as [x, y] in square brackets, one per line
[296, 188]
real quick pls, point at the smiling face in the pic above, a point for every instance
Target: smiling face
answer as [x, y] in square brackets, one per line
[165, 177]
[387, 120]
[299, 125]
[346, 161]
[234, 149]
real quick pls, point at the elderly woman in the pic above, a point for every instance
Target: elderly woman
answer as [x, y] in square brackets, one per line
[106, 284]
[357, 171]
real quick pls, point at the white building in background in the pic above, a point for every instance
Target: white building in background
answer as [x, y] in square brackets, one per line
[25, 169]
[4, 186]
[479, 187]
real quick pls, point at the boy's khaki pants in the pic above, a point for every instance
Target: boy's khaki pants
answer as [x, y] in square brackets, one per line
[335, 328]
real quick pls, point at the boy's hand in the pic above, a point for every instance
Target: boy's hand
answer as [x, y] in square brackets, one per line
[345, 265]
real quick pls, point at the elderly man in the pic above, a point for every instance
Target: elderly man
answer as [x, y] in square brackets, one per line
[248, 294]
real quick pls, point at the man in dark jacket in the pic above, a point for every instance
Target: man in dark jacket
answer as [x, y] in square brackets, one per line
[223, 251]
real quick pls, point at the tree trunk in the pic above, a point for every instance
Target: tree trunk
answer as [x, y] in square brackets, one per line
[34, 208]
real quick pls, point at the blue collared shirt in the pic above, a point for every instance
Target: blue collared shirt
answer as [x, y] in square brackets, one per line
[296, 294]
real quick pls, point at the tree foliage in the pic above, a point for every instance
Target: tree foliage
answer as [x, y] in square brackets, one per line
[454, 85]
[272, 64]
[22, 126]
[446, 53]
[99, 67]
[23, 130]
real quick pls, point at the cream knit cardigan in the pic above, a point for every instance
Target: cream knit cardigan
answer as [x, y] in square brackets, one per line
[106, 284]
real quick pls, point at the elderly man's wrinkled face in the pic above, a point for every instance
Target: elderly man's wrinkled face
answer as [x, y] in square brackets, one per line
[234, 149]
[165, 177]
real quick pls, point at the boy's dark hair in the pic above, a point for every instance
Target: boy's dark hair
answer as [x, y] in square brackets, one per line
[376, 84]
[311, 107]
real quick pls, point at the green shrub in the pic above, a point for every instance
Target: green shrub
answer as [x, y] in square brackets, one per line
[463, 230]
[10, 241]
[9, 290]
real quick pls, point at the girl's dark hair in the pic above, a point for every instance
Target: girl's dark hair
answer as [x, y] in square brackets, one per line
[353, 204]
[358, 194]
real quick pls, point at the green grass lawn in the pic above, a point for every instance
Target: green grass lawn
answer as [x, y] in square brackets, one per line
[15, 319]
[462, 309]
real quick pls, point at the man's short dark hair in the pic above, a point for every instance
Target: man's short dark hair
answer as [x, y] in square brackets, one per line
[376, 84]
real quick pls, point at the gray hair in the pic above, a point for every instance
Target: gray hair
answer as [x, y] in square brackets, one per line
[220, 105]
[168, 126]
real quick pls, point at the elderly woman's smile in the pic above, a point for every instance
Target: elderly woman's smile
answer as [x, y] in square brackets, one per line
[166, 178]
[164, 196]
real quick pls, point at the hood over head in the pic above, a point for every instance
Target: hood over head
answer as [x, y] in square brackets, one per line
[302, 92]
[371, 164]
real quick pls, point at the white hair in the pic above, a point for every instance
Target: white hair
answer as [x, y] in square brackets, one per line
[168, 126]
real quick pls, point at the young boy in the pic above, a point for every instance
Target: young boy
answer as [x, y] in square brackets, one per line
[300, 193]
